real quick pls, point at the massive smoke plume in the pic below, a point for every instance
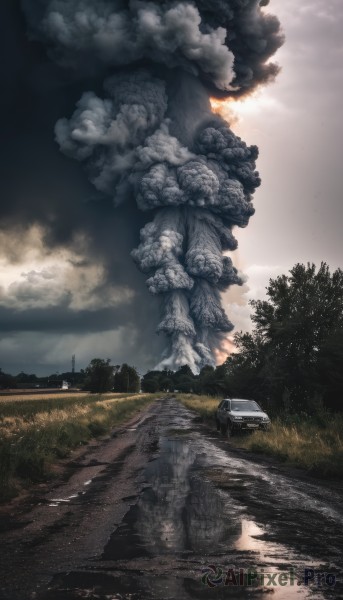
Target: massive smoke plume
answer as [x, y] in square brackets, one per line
[151, 133]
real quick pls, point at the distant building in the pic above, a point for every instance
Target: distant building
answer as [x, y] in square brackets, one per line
[65, 385]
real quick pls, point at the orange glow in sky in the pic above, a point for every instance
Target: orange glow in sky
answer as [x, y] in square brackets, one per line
[227, 348]
[234, 111]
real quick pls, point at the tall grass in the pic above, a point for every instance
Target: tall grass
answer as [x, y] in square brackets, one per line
[316, 448]
[17, 396]
[34, 433]
[204, 405]
[314, 443]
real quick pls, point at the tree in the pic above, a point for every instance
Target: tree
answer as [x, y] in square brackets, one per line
[126, 379]
[99, 376]
[26, 378]
[296, 330]
[7, 381]
[243, 374]
[184, 380]
[329, 374]
[150, 385]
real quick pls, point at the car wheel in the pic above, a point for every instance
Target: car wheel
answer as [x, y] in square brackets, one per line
[229, 430]
[223, 429]
[217, 425]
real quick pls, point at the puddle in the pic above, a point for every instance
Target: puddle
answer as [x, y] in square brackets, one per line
[177, 513]
[203, 511]
[69, 499]
[58, 501]
[182, 514]
[248, 539]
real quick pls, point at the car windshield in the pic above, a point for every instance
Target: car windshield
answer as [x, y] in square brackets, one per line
[244, 405]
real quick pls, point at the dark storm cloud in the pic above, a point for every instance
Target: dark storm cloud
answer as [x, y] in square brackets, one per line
[146, 135]
[61, 319]
[40, 186]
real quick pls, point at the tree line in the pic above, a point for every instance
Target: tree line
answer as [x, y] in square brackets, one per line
[100, 376]
[292, 360]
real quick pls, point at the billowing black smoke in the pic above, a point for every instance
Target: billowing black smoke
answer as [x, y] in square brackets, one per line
[152, 132]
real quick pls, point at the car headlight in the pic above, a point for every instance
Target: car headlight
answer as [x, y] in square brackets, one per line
[265, 419]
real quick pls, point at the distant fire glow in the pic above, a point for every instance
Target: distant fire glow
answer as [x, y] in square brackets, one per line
[234, 111]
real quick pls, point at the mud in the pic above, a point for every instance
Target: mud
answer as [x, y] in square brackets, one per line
[165, 509]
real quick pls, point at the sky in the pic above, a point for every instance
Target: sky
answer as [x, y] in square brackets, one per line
[65, 291]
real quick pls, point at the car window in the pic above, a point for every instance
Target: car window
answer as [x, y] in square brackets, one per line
[241, 405]
[226, 404]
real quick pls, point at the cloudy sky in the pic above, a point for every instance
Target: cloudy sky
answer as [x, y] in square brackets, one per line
[65, 291]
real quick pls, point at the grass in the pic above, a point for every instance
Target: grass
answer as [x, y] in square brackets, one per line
[28, 406]
[312, 443]
[204, 405]
[307, 445]
[35, 433]
[42, 395]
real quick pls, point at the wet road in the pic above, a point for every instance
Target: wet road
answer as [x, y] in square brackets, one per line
[165, 510]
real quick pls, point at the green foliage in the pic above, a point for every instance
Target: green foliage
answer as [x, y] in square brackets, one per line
[158, 381]
[6, 381]
[126, 379]
[296, 349]
[32, 441]
[293, 358]
[311, 442]
[303, 442]
[99, 376]
[26, 378]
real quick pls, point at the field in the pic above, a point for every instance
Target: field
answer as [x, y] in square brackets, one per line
[17, 396]
[313, 443]
[38, 430]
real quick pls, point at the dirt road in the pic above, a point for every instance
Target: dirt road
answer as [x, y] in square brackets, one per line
[164, 509]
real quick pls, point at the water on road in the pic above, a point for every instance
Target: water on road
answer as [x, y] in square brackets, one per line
[196, 520]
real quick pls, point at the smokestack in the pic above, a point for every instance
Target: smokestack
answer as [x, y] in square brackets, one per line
[152, 133]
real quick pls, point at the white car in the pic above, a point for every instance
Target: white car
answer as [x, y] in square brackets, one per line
[237, 414]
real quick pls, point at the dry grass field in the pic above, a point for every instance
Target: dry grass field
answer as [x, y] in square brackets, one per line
[37, 431]
[18, 396]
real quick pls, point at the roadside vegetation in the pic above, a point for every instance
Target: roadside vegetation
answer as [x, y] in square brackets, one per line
[99, 377]
[312, 442]
[293, 358]
[35, 433]
[204, 405]
[291, 363]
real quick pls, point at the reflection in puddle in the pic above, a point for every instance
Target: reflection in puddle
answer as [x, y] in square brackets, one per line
[59, 501]
[191, 513]
[182, 513]
[247, 539]
[179, 512]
